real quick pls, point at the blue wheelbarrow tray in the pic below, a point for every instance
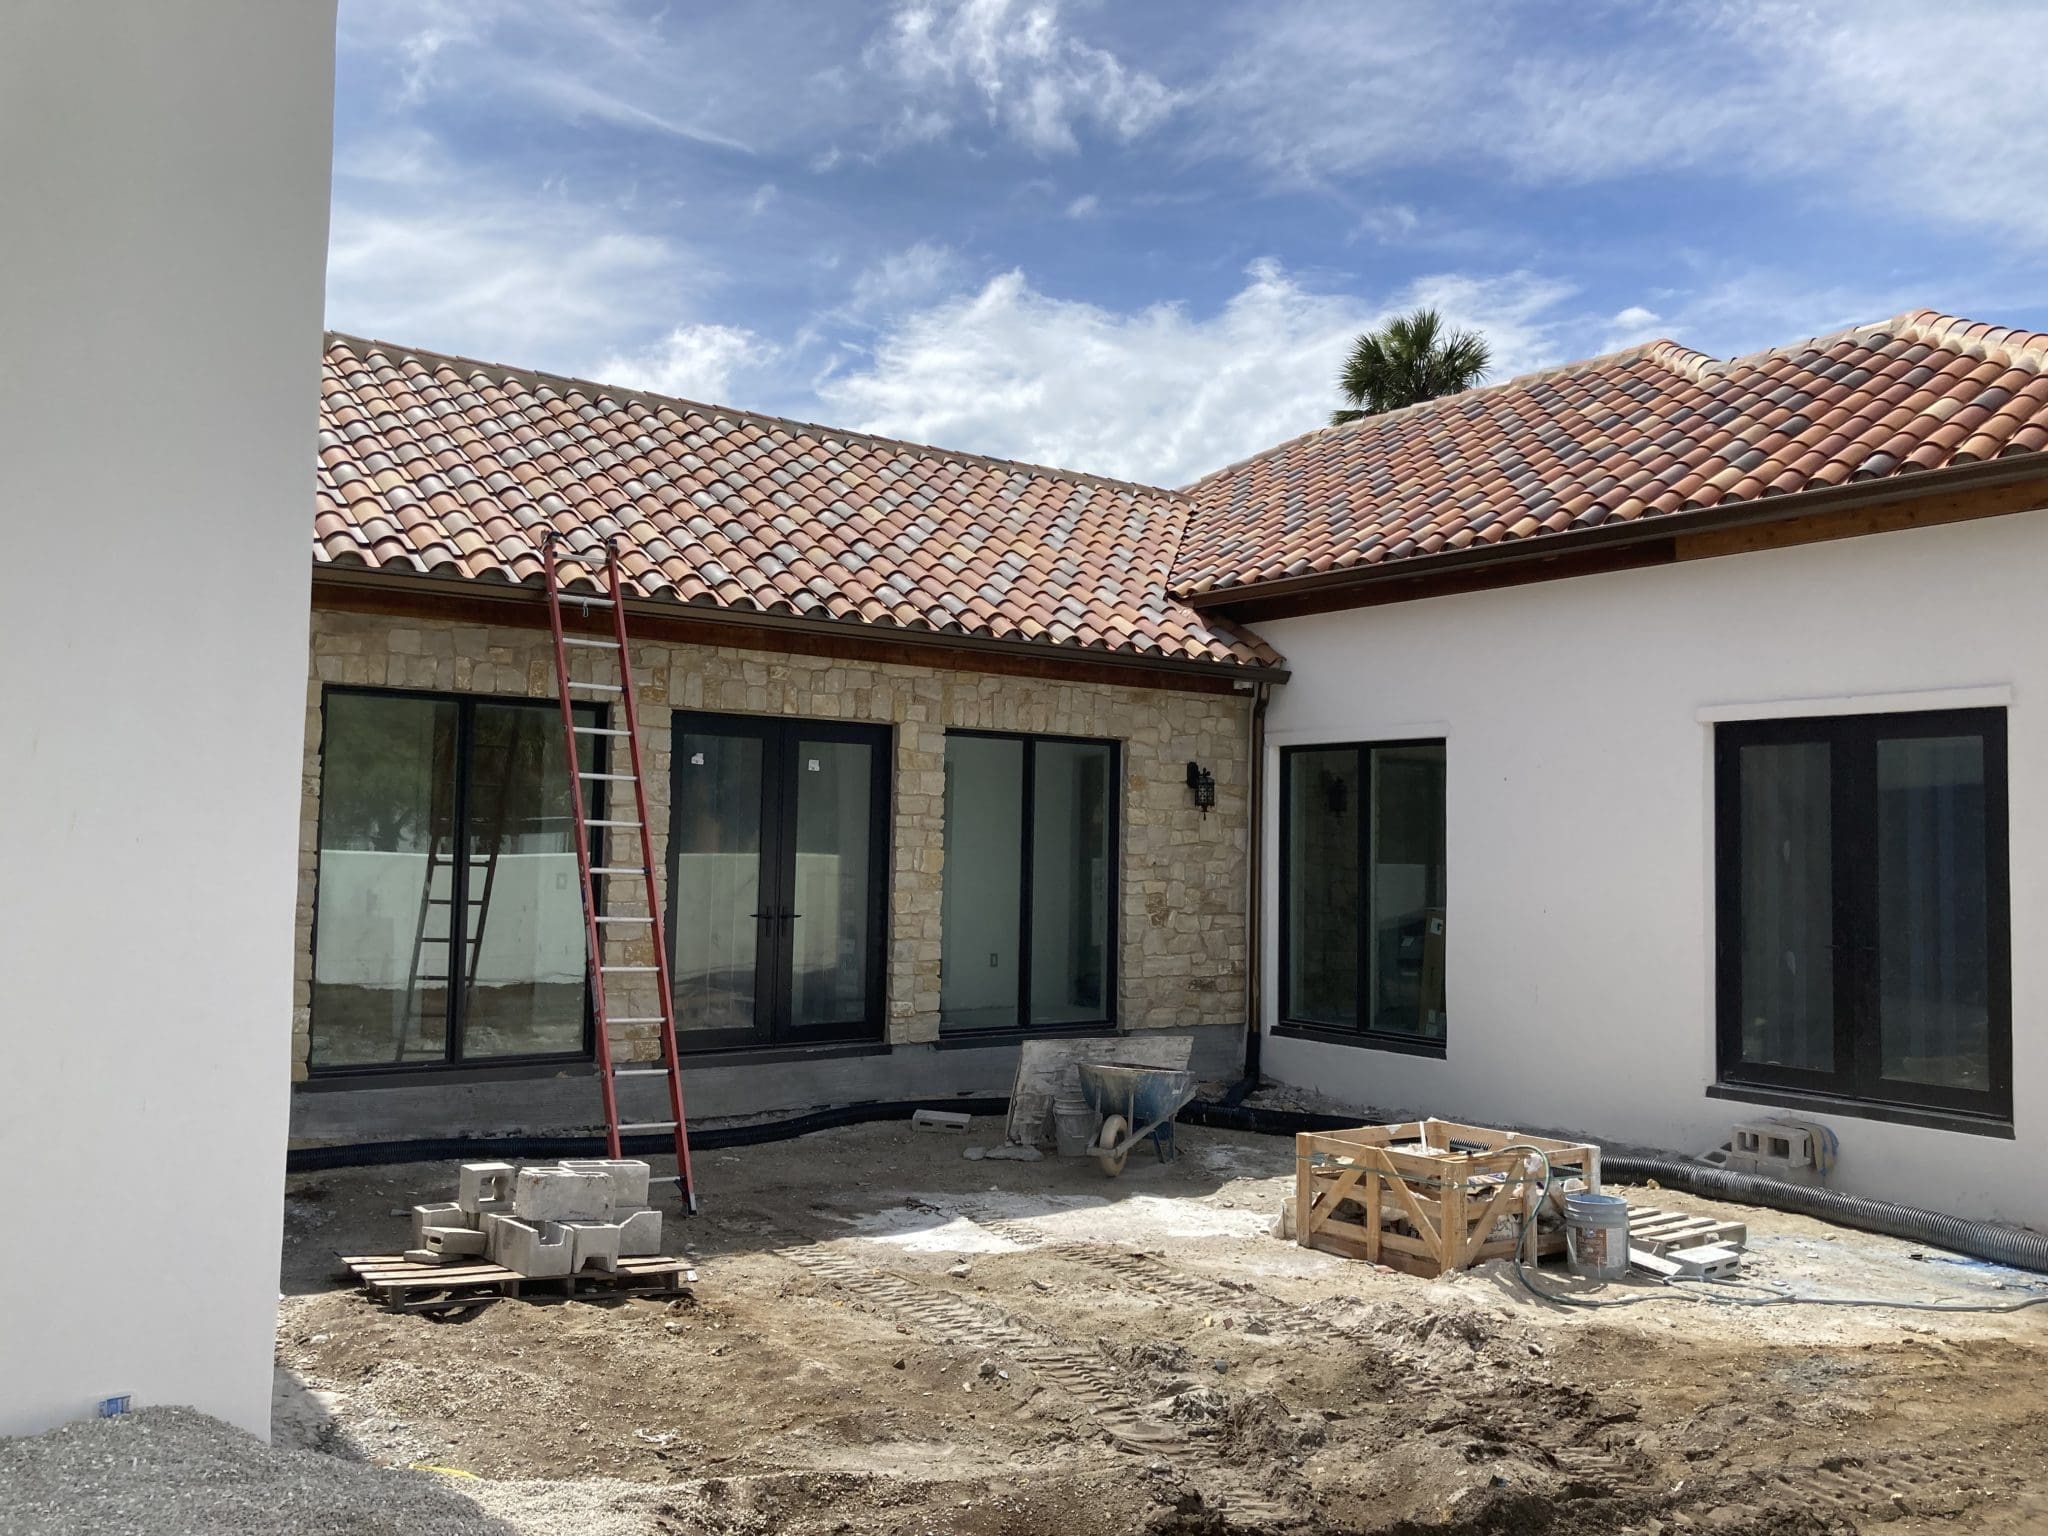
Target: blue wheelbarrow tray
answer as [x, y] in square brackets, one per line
[1144, 1099]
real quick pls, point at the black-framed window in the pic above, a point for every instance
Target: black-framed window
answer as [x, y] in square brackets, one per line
[1362, 893]
[778, 888]
[1863, 933]
[434, 805]
[1028, 911]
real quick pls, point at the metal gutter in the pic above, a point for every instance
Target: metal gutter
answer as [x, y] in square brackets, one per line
[1987, 474]
[414, 584]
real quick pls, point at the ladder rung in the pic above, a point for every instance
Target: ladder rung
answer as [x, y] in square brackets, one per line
[639, 1071]
[625, 919]
[599, 687]
[590, 645]
[620, 869]
[611, 823]
[649, 1125]
[666, 1178]
[652, 1019]
[616, 778]
[625, 968]
[597, 730]
[584, 598]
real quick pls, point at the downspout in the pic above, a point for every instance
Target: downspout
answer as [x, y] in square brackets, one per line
[1255, 905]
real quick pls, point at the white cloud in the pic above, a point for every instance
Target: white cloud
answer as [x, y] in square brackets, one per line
[906, 276]
[712, 363]
[1160, 395]
[1017, 61]
[1086, 206]
[1846, 100]
[519, 281]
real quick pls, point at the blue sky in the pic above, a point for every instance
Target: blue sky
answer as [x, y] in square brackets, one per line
[1135, 236]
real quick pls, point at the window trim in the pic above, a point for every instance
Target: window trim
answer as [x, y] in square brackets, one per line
[1112, 944]
[1359, 1034]
[452, 1060]
[1856, 1086]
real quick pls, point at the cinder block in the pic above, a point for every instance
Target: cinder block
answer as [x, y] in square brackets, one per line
[628, 1176]
[941, 1120]
[561, 1194]
[445, 1213]
[491, 1223]
[453, 1242]
[538, 1252]
[639, 1234]
[478, 1182]
[421, 1256]
[593, 1245]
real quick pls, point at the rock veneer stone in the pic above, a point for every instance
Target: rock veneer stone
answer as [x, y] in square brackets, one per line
[1183, 900]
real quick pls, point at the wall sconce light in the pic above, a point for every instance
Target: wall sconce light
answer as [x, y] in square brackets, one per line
[1202, 785]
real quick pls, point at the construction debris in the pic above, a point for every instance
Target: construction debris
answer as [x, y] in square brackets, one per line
[543, 1222]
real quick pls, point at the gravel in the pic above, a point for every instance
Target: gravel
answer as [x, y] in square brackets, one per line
[178, 1472]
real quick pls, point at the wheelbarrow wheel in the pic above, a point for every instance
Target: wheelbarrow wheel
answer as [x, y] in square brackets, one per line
[1114, 1129]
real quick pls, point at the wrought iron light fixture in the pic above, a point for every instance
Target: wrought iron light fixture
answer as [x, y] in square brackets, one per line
[1202, 785]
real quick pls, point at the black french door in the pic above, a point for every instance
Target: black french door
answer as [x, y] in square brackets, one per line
[778, 860]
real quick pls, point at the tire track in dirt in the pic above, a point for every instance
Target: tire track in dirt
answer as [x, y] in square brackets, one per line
[946, 1319]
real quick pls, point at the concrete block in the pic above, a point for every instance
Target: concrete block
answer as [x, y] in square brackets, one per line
[489, 1225]
[539, 1252]
[639, 1234]
[628, 1176]
[593, 1245]
[941, 1120]
[454, 1242]
[445, 1213]
[476, 1182]
[561, 1194]
[489, 1208]
[421, 1256]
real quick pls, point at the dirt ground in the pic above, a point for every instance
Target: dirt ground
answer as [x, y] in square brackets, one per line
[888, 1337]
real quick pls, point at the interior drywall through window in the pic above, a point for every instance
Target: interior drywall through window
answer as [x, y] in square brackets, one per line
[1028, 904]
[1362, 891]
[448, 920]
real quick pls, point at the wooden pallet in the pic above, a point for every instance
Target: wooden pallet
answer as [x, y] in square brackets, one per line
[1662, 1231]
[1425, 1196]
[404, 1286]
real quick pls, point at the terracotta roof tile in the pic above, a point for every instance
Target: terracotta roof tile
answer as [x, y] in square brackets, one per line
[438, 464]
[1652, 432]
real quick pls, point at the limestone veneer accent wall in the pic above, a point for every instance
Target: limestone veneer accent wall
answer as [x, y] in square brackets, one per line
[1182, 924]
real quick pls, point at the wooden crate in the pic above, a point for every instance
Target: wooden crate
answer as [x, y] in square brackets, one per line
[1425, 1196]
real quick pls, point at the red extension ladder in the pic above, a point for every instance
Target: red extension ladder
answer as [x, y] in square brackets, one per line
[595, 920]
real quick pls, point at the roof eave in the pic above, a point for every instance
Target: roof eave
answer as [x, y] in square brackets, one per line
[1984, 475]
[414, 582]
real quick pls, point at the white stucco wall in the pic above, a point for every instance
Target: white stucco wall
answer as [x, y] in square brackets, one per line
[163, 171]
[1580, 939]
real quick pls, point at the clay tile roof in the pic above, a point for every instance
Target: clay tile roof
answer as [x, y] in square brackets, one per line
[720, 508]
[1651, 432]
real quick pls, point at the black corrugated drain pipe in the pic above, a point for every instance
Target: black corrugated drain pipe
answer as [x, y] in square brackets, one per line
[2015, 1246]
[1985, 1240]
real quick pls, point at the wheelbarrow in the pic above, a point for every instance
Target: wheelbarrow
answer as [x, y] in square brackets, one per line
[1134, 1103]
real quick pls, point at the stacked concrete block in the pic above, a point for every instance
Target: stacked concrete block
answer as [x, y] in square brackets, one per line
[546, 1221]
[640, 1234]
[544, 1252]
[561, 1194]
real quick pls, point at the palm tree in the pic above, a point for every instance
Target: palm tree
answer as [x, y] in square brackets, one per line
[1409, 359]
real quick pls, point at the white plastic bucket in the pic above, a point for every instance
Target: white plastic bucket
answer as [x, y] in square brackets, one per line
[1596, 1235]
[1073, 1127]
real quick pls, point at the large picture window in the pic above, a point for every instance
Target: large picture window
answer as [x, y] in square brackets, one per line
[1362, 893]
[430, 807]
[1028, 912]
[1863, 940]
